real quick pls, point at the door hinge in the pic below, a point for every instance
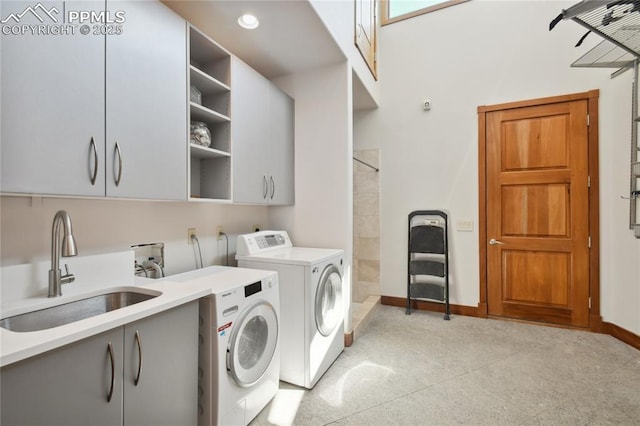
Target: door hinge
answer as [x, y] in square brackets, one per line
[588, 120]
[588, 181]
[589, 241]
[589, 303]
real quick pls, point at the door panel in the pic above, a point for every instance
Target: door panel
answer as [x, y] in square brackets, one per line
[249, 130]
[538, 213]
[160, 368]
[52, 106]
[536, 277]
[535, 143]
[146, 105]
[281, 152]
[536, 210]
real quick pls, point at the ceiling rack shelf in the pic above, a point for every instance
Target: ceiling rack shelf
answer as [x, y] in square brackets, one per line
[618, 23]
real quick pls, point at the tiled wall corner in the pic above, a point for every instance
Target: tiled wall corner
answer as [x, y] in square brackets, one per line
[366, 225]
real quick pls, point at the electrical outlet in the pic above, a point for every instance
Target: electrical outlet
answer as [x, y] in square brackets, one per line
[190, 233]
[256, 228]
[219, 232]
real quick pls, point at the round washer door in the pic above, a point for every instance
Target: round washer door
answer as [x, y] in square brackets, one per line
[328, 304]
[252, 343]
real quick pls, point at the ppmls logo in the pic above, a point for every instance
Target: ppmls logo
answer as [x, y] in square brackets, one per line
[39, 11]
[41, 20]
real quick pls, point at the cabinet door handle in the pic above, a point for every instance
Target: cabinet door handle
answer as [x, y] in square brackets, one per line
[119, 154]
[273, 187]
[265, 187]
[94, 175]
[113, 371]
[135, 382]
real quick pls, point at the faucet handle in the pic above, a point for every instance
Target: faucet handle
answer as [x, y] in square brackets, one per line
[68, 277]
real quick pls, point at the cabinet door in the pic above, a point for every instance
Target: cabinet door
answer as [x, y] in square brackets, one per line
[161, 368]
[52, 91]
[67, 386]
[146, 137]
[281, 147]
[249, 134]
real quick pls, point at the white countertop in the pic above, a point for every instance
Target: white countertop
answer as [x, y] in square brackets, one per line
[15, 346]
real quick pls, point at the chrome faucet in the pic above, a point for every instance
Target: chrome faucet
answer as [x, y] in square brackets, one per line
[69, 248]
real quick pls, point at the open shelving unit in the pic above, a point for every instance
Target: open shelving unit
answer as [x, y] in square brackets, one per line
[209, 72]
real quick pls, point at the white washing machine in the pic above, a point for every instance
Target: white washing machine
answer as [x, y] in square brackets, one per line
[239, 352]
[311, 303]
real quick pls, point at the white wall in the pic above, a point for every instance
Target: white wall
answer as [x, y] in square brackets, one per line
[483, 53]
[339, 18]
[323, 211]
[105, 226]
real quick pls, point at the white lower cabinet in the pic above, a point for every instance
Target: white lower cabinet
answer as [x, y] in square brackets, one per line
[94, 381]
[66, 386]
[161, 368]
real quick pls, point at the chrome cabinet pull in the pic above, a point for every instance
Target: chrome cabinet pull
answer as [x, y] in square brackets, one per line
[135, 382]
[119, 153]
[493, 242]
[113, 371]
[273, 187]
[265, 187]
[94, 175]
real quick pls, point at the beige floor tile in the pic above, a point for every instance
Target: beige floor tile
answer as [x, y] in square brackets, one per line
[421, 370]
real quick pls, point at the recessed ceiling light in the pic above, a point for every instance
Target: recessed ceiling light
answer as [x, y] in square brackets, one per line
[248, 21]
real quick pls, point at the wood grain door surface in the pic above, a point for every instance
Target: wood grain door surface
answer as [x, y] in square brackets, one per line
[537, 213]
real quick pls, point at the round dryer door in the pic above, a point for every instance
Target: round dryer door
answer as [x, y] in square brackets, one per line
[328, 306]
[252, 343]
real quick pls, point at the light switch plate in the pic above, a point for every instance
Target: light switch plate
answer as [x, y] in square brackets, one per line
[464, 225]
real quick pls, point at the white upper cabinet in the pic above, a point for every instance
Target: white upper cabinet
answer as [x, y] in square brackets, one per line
[281, 151]
[146, 111]
[263, 139]
[79, 120]
[249, 132]
[52, 91]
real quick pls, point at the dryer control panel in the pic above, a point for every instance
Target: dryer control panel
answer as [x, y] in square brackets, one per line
[263, 241]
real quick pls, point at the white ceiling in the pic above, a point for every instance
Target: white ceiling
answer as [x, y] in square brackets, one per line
[291, 37]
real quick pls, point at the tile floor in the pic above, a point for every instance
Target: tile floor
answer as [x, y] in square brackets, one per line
[422, 370]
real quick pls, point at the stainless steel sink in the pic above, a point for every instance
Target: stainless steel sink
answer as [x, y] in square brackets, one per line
[73, 311]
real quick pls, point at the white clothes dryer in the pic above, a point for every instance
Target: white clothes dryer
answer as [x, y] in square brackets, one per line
[239, 351]
[311, 303]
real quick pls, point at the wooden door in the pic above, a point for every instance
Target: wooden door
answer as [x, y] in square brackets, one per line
[537, 212]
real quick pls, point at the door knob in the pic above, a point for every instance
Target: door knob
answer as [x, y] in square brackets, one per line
[493, 242]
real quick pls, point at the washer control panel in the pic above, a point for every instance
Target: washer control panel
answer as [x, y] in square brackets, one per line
[260, 242]
[268, 241]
